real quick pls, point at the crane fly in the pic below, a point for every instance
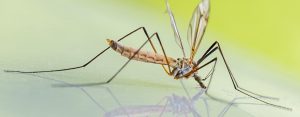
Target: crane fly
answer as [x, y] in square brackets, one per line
[184, 67]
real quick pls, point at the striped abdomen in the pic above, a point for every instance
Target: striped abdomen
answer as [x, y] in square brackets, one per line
[144, 56]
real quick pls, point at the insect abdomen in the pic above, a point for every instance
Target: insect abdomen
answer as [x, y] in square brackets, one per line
[144, 56]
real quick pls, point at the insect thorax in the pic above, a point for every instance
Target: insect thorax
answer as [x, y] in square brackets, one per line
[183, 68]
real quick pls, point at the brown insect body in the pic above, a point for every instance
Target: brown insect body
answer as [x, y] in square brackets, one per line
[184, 67]
[181, 66]
[144, 56]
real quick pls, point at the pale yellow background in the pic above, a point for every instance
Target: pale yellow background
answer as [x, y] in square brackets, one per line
[259, 39]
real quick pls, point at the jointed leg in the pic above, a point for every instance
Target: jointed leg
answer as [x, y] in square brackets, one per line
[211, 72]
[154, 49]
[123, 66]
[165, 55]
[215, 46]
[82, 66]
[109, 80]
[168, 71]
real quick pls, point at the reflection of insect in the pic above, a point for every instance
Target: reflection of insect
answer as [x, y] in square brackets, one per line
[178, 105]
[175, 105]
[184, 67]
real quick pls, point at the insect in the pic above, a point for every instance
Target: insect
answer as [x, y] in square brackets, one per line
[184, 67]
[173, 104]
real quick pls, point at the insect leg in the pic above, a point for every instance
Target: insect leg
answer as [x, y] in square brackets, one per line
[120, 69]
[216, 46]
[165, 55]
[154, 49]
[125, 64]
[148, 39]
[81, 66]
[211, 72]
[111, 78]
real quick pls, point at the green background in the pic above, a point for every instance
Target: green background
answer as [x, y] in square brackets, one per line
[259, 39]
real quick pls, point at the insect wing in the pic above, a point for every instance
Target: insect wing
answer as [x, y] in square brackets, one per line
[174, 27]
[197, 26]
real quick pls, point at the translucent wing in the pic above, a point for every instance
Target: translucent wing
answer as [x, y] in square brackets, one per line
[197, 26]
[175, 29]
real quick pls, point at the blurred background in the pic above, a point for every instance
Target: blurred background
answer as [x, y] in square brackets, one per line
[259, 39]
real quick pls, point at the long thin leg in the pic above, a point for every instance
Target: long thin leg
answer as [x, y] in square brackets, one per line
[149, 39]
[168, 71]
[111, 78]
[154, 49]
[84, 65]
[165, 55]
[215, 46]
[211, 72]
[212, 49]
